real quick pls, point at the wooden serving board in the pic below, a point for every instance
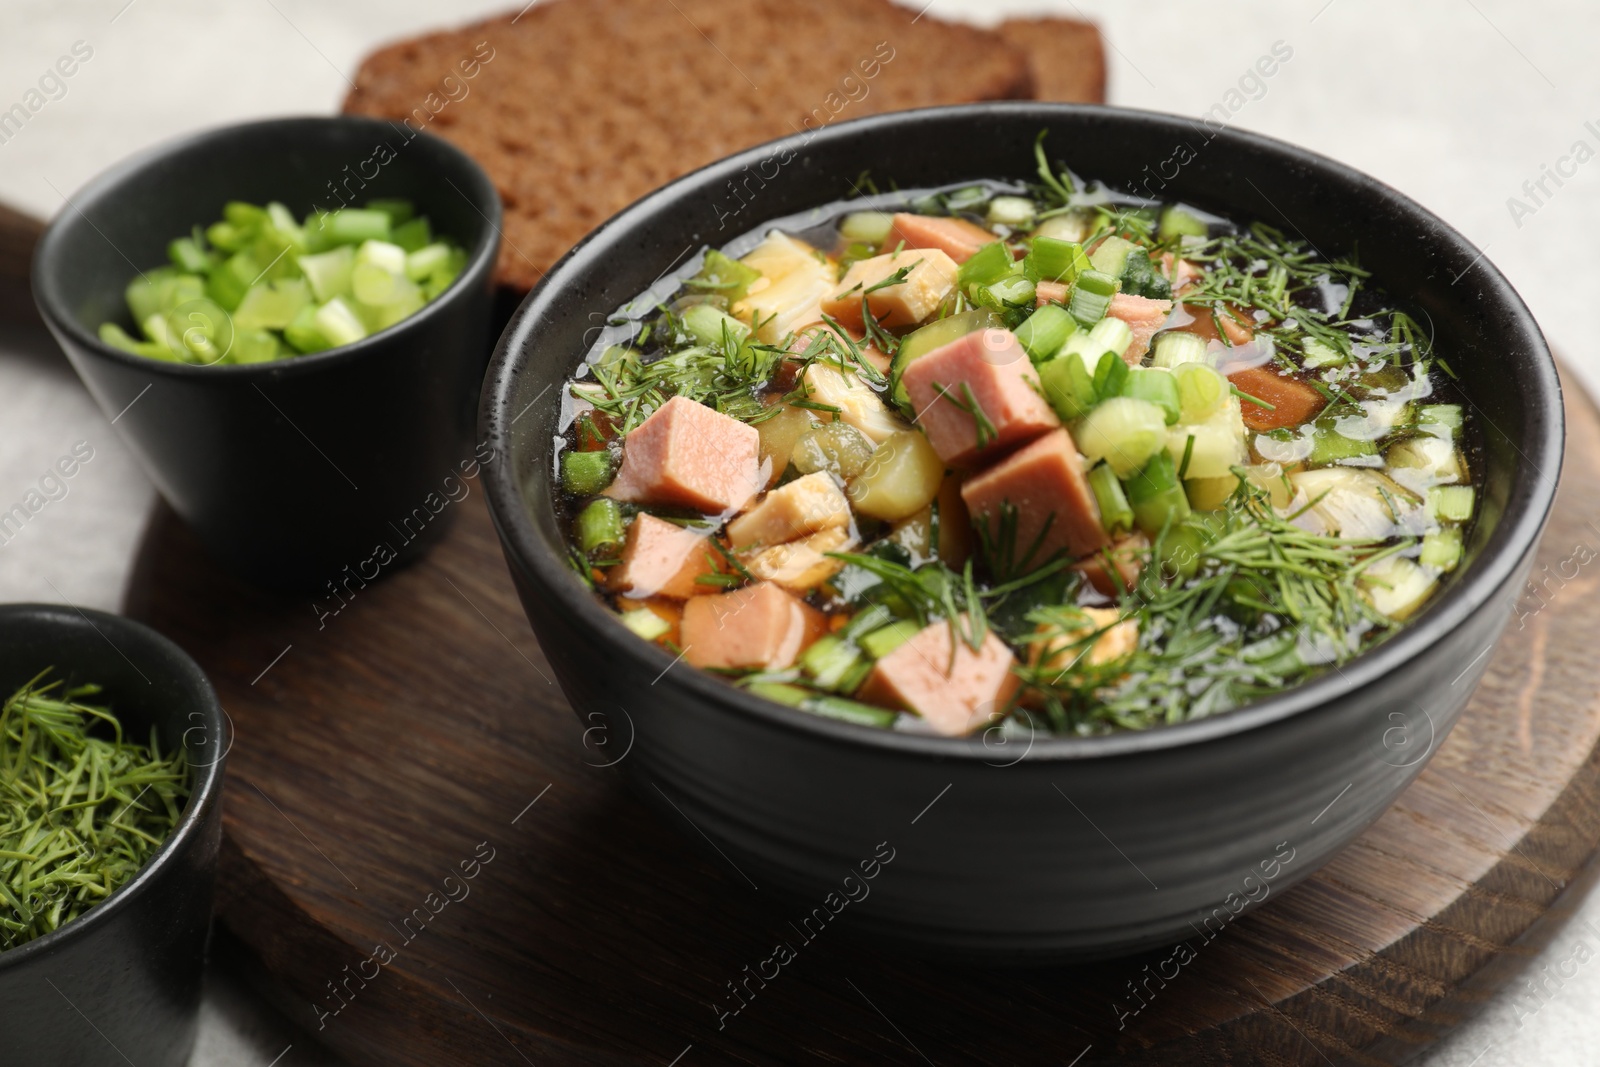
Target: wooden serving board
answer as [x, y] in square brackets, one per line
[413, 738]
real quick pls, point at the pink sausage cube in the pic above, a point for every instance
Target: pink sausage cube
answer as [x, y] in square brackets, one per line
[994, 366]
[1046, 484]
[956, 238]
[759, 626]
[660, 558]
[1144, 316]
[955, 690]
[689, 455]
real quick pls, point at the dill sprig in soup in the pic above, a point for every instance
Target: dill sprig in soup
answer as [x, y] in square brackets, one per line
[1038, 456]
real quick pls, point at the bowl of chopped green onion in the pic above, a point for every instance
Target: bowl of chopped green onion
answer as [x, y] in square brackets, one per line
[288, 321]
[112, 746]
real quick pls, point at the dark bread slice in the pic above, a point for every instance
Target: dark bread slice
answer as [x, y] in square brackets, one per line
[585, 105]
[1064, 55]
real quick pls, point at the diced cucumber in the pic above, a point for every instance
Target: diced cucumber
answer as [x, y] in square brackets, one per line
[707, 323]
[879, 643]
[1123, 431]
[1176, 222]
[1016, 212]
[1156, 496]
[868, 227]
[646, 623]
[1112, 255]
[724, 276]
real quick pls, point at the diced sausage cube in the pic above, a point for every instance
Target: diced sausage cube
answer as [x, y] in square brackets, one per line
[689, 455]
[1293, 401]
[993, 365]
[660, 558]
[939, 677]
[800, 566]
[1051, 293]
[1127, 560]
[1054, 506]
[758, 627]
[1144, 317]
[956, 238]
[930, 278]
[804, 506]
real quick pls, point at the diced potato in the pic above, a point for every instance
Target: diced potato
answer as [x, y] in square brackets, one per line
[800, 566]
[902, 479]
[858, 405]
[835, 447]
[779, 435]
[930, 278]
[789, 294]
[1072, 226]
[791, 511]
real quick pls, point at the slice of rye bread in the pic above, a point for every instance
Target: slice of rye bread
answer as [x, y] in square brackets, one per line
[1064, 55]
[583, 106]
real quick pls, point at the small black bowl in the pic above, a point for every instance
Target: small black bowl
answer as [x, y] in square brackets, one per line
[290, 471]
[1058, 848]
[121, 982]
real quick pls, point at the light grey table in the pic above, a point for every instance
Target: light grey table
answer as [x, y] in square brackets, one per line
[1466, 105]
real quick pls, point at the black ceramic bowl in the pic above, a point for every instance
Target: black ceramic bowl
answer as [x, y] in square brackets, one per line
[1065, 848]
[122, 982]
[289, 471]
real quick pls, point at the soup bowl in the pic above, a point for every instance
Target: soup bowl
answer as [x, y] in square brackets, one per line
[1042, 849]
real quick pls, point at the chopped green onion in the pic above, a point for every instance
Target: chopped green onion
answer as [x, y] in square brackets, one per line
[1013, 291]
[1045, 331]
[1115, 514]
[1178, 346]
[600, 525]
[1158, 386]
[346, 226]
[1441, 548]
[329, 272]
[399, 211]
[1054, 260]
[1112, 335]
[986, 266]
[1091, 297]
[1442, 420]
[413, 236]
[1157, 496]
[850, 711]
[1068, 386]
[338, 324]
[586, 473]
[1320, 354]
[1450, 503]
[1330, 446]
[1110, 375]
[829, 660]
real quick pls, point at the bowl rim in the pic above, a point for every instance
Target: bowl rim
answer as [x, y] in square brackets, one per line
[206, 788]
[46, 267]
[1533, 491]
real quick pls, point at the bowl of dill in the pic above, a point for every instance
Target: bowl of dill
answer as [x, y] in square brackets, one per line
[112, 746]
[1278, 501]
